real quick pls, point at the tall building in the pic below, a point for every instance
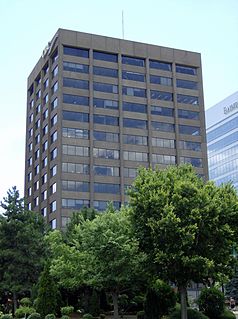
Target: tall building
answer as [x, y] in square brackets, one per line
[99, 107]
[222, 139]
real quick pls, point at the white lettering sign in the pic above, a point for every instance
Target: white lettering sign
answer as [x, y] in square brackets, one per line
[230, 108]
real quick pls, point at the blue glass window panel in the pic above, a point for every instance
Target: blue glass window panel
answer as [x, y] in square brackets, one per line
[133, 76]
[75, 83]
[160, 95]
[162, 111]
[186, 69]
[106, 136]
[196, 162]
[222, 129]
[105, 104]
[105, 120]
[105, 87]
[134, 107]
[106, 170]
[161, 126]
[75, 116]
[74, 203]
[232, 138]
[75, 67]
[84, 53]
[133, 91]
[107, 188]
[103, 56]
[75, 133]
[133, 61]
[190, 130]
[105, 153]
[160, 65]
[162, 80]
[185, 84]
[75, 186]
[141, 124]
[187, 99]
[75, 99]
[98, 70]
[101, 205]
[186, 114]
[189, 145]
[135, 139]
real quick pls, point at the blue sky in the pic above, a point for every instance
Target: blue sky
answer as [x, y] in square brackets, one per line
[206, 26]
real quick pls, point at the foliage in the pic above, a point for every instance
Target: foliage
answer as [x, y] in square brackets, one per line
[140, 315]
[94, 303]
[48, 294]
[25, 302]
[101, 253]
[24, 311]
[160, 298]
[50, 316]
[65, 317]
[6, 316]
[102, 316]
[227, 314]
[186, 226]
[192, 314]
[22, 247]
[87, 316]
[34, 315]
[67, 310]
[211, 302]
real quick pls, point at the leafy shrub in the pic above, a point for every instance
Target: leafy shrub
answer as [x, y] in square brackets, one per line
[34, 315]
[140, 314]
[25, 302]
[211, 302]
[65, 317]
[87, 316]
[227, 314]
[6, 316]
[24, 312]
[160, 298]
[102, 316]
[67, 310]
[50, 316]
[192, 314]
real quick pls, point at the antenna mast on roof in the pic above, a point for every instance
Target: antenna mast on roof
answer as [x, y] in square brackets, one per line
[122, 22]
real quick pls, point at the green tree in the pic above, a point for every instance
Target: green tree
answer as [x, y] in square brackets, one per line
[48, 294]
[211, 302]
[185, 225]
[22, 247]
[102, 254]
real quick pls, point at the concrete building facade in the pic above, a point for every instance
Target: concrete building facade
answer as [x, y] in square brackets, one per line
[99, 107]
[222, 140]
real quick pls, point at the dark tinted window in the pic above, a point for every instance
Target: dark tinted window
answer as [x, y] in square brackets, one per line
[186, 114]
[133, 91]
[107, 188]
[110, 57]
[98, 70]
[160, 95]
[187, 99]
[75, 99]
[141, 124]
[105, 119]
[106, 136]
[163, 127]
[84, 53]
[186, 69]
[133, 76]
[133, 61]
[185, 84]
[105, 87]
[162, 80]
[75, 83]
[190, 130]
[160, 65]
[134, 107]
[75, 116]
[105, 104]
[163, 111]
[75, 67]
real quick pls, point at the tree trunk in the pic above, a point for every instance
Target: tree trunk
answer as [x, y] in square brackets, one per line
[115, 305]
[14, 304]
[183, 299]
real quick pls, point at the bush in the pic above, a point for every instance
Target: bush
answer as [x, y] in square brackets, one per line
[22, 312]
[50, 316]
[192, 314]
[6, 316]
[67, 310]
[211, 302]
[140, 314]
[65, 317]
[87, 316]
[25, 302]
[35, 315]
[227, 314]
[160, 298]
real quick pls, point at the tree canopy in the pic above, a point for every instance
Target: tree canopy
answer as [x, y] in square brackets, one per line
[185, 225]
[22, 247]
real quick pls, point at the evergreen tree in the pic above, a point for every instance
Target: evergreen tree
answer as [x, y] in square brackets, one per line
[22, 247]
[48, 294]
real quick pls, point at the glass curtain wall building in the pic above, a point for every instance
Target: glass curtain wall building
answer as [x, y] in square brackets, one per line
[222, 139]
[97, 109]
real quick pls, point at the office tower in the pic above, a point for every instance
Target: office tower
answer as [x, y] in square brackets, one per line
[222, 140]
[98, 108]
